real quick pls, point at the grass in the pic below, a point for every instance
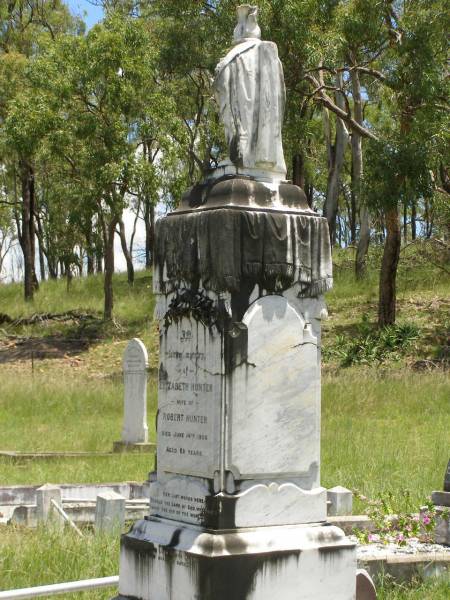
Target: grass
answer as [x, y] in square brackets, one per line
[390, 435]
[39, 414]
[131, 304]
[42, 556]
[385, 431]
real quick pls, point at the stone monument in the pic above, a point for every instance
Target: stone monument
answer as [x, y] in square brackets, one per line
[236, 506]
[135, 428]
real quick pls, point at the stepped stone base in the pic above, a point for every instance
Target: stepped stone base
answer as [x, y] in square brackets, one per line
[168, 560]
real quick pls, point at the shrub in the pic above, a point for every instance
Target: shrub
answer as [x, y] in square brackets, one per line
[373, 345]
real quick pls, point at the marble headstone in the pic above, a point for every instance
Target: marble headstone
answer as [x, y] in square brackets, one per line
[135, 428]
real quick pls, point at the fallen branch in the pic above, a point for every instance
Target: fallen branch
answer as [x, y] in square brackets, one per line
[40, 317]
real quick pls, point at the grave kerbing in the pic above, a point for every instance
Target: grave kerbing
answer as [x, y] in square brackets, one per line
[236, 506]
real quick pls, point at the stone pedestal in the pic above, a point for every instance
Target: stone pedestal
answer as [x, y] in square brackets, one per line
[162, 559]
[236, 506]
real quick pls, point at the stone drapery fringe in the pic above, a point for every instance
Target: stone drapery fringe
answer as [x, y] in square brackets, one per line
[219, 249]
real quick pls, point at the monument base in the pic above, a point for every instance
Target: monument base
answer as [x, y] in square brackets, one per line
[139, 447]
[169, 560]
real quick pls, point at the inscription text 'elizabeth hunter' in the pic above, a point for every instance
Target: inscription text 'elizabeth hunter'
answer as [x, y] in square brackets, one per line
[189, 399]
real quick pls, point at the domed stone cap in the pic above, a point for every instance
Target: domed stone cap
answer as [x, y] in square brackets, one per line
[243, 192]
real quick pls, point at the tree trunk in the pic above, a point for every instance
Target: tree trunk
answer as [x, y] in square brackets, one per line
[27, 237]
[298, 171]
[357, 173]
[52, 269]
[41, 262]
[336, 155]
[126, 253]
[413, 220]
[405, 222]
[309, 194]
[388, 273]
[352, 213]
[42, 250]
[109, 268]
[149, 220]
[89, 250]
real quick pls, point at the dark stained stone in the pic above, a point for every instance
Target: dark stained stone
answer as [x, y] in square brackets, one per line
[365, 589]
[233, 250]
[447, 479]
[242, 192]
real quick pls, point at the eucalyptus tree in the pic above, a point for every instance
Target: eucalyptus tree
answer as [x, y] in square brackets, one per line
[28, 28]
[99, 87]
[412, 136]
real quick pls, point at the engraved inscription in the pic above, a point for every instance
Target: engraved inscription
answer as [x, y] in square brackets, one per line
[189, 399]
[179, 506]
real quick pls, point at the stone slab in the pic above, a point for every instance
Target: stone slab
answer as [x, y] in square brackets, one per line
[109, 512]
[45, 511]
[193, 501]
[405, 568]
[26, 494]
[162, 560]
[274, 404]
[341, 501]
[447, 478]
[189, 399]
[81, 513]
[442, 530]
[441, 498]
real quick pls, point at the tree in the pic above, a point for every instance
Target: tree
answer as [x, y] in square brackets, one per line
[100, 87]
[29, 26]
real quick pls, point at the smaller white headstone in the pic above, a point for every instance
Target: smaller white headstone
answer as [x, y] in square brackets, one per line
[340, 501]
[109, 511]
[135, 364]
[45, 511]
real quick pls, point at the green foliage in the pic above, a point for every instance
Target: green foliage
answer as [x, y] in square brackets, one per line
[373, 345]
[398, 528]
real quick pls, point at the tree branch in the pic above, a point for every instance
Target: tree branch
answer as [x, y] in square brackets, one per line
[347, 118]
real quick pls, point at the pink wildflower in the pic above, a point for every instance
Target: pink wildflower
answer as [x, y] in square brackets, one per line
[426, 520]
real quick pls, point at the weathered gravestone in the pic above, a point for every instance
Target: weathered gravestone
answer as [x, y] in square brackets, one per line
[236, 506]
[110, 511]
[135, 429]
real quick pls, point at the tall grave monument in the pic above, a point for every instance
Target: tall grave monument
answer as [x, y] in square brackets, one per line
[236, 510]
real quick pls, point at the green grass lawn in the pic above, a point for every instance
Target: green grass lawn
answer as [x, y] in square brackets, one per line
[381, 431]
[42, 556]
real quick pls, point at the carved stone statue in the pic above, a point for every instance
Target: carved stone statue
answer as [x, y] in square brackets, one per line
[250, 91]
